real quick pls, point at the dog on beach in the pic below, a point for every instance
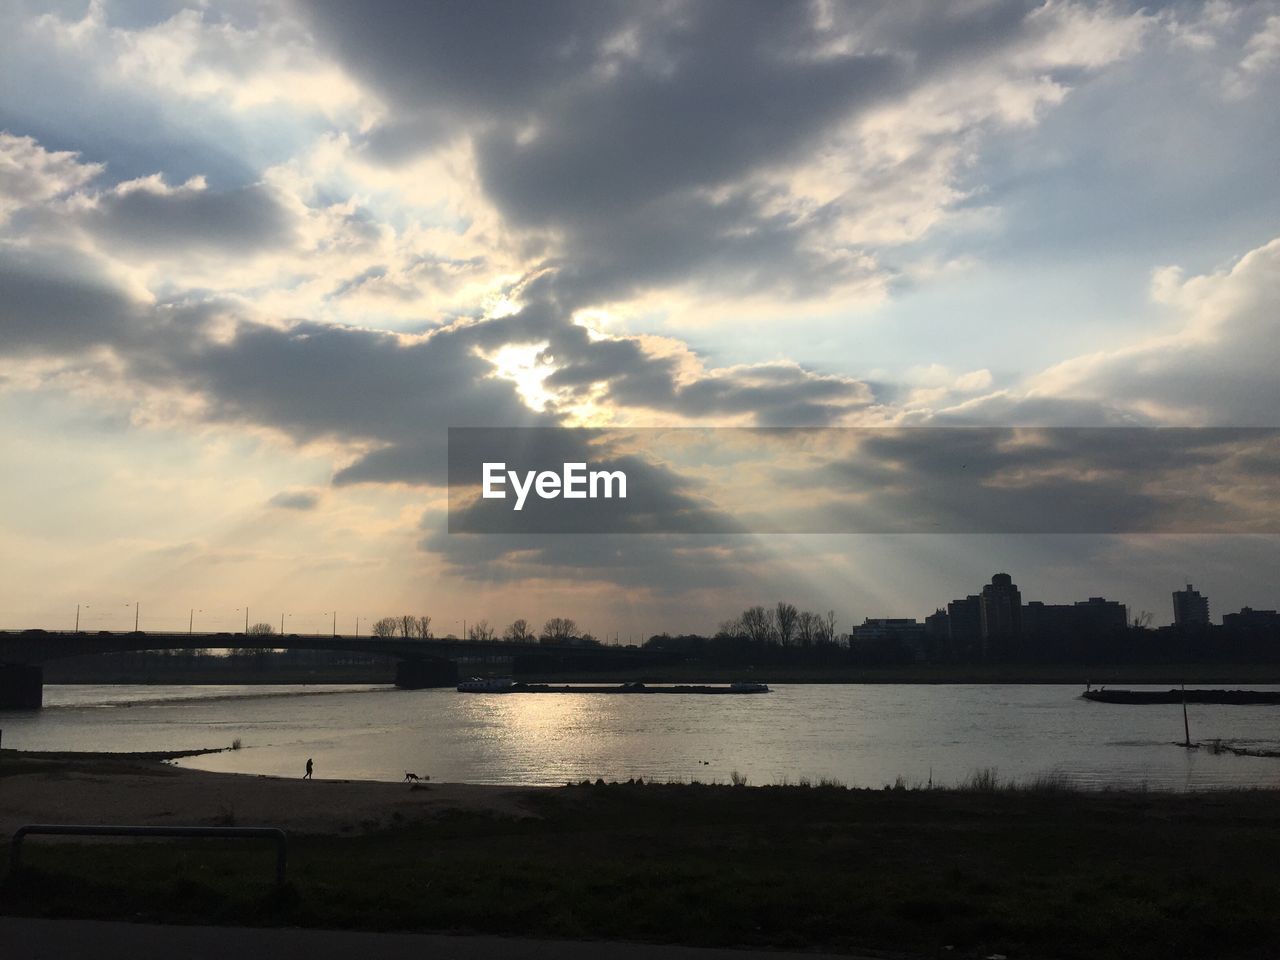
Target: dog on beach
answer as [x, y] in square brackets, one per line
[414, 777]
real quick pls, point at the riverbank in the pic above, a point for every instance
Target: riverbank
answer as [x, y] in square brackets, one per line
[1040, 871]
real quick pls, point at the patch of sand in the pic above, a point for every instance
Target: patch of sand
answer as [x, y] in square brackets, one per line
[107, 792]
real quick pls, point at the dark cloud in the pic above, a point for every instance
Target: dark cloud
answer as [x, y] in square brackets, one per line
[455, 59]
[185, 220]
[663, 563]
[392, 395]
[635, 133]
[295, 500]
[54, 301]
[1043, 481]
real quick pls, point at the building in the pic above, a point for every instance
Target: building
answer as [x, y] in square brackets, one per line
[1099, 615]
[964, 626]
[1071, 629]
[889, 632]
[1001, 612]
[1190, 609]
[1251, 620]
[937, 631]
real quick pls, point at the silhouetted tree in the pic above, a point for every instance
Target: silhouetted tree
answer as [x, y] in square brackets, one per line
[757, 623]
[827, 628]
[808, 624]
[559, 629]
[518, 632]
[387, 627]
[424, 627]
[261, 630]
[731, 629]
[785, 617]
[480, 631]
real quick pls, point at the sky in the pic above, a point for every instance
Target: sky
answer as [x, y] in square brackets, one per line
[255, 258]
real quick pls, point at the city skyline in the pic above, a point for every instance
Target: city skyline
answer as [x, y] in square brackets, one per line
[241, 618]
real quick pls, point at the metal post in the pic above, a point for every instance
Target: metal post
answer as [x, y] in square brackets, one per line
[1186, 727]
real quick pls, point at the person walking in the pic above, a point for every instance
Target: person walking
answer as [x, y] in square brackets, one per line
[310, 767]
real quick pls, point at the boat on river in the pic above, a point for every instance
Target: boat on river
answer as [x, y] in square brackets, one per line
[487, 685]
[506, 685]
[1175, 695]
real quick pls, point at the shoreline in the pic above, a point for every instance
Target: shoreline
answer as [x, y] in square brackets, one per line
[146, 788]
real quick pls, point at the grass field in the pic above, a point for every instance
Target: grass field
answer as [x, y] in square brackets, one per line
[1040, 872]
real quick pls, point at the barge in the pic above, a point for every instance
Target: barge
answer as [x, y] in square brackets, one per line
[1181, 696]
[506, 685]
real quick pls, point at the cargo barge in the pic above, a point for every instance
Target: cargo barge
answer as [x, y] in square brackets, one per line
[504, 685]
[1181, 696]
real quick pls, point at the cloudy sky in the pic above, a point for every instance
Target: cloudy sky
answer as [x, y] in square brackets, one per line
[256, 257]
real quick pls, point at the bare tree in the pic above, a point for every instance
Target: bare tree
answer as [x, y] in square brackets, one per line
[808, 625]
[827, 628]
[387, 627]
[786, 616]
[261, 630]
[408, 625]
[757, 623]
[424, 628]
[481, 632]
[559, 629]
[731, 629]
[518, 632]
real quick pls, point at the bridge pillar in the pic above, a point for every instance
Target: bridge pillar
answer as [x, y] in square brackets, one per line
[21, 686]
[416, 674]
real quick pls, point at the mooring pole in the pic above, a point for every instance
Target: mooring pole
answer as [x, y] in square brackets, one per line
[1186, 727]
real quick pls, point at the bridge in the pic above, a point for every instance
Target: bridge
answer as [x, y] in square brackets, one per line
[430, 662]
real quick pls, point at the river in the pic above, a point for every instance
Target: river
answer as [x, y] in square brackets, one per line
[862, 735]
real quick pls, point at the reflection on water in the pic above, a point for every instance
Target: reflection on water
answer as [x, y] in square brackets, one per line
[864, 735]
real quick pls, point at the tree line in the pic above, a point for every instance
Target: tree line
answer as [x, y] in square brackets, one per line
[554, 630]
[782, 624]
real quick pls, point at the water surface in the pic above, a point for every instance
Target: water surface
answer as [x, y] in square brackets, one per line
[863, 735]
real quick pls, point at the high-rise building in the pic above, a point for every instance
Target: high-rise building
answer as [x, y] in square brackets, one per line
[1001, 610]
[964, 626]
[1190, 609]
[937, 631]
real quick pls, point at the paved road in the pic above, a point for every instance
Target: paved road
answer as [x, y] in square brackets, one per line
[25, 939]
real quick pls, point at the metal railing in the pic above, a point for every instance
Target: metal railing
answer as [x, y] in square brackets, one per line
[275, 834]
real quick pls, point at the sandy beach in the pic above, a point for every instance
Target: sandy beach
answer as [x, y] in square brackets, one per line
[144, 789]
